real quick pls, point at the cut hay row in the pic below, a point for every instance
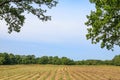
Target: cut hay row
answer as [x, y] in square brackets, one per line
[52, 72]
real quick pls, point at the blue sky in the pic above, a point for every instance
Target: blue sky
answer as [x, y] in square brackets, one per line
[64, 35]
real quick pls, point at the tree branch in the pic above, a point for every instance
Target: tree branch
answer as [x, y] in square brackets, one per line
[4, 2]
[8, 1]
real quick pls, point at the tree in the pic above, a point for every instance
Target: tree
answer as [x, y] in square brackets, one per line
[108, 62]
[18, 59]
[43, 60]
[66, 61]
[23, 59]
[50, 59]
[116, 60]
[105, 23]
[56, 60]
[12, 11]
[12, 59]
[30, 59]
[2, 58]
[7, 58]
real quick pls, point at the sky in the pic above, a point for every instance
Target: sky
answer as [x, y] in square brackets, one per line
[64, 35]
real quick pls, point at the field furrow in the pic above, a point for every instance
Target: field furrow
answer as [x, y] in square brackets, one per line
[54, 72]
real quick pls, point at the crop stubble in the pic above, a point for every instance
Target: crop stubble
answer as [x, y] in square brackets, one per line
[59, 72]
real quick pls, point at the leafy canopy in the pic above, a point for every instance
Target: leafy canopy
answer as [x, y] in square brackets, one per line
[11, 11]
[104, 23]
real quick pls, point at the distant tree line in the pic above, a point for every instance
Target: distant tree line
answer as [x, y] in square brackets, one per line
[10, 59]
[6, 59]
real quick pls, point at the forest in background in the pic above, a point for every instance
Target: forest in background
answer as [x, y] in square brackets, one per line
[11, 59]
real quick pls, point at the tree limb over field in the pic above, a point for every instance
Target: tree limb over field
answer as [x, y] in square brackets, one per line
[11, 11]
[105, 23]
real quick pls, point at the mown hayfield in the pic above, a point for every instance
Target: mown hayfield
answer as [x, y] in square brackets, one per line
[56, 72]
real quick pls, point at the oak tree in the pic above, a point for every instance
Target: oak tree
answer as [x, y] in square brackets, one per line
[104, 23]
